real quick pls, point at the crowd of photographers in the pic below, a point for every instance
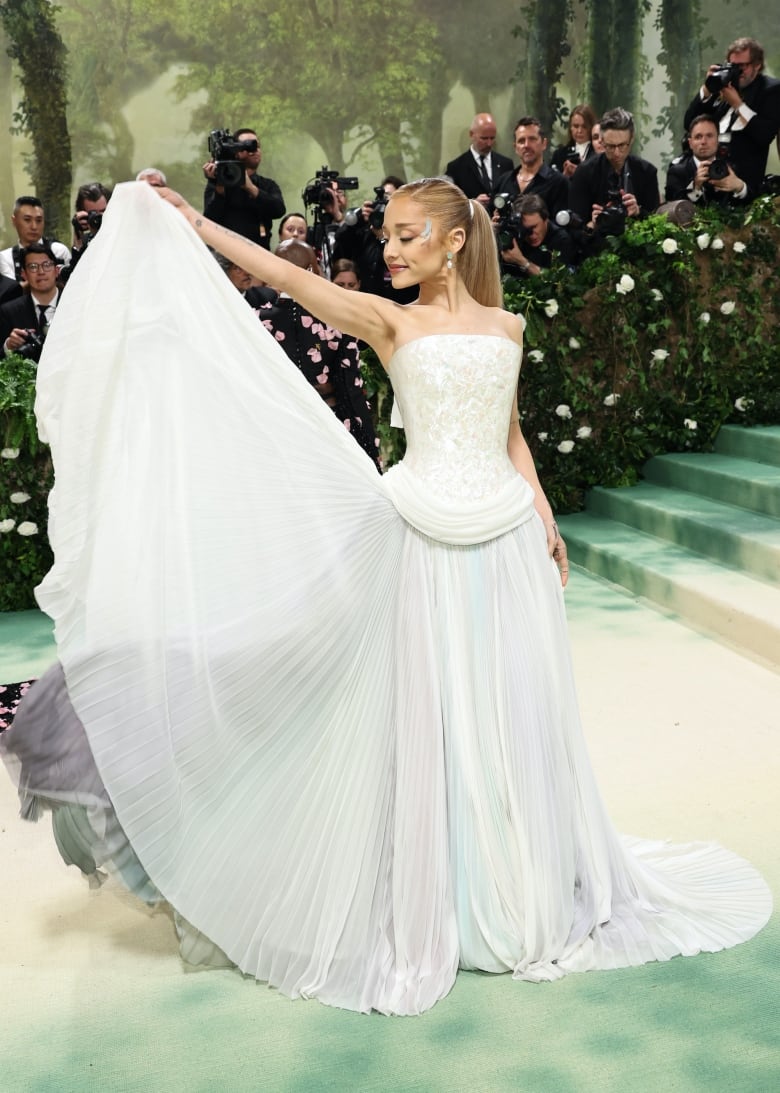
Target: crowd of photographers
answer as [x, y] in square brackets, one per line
[554, 207]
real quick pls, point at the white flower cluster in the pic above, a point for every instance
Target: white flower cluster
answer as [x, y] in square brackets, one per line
[551, 308]
[625, 285]
[669, 246]
[19, 497]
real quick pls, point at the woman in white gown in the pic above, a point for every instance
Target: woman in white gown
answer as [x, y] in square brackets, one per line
[329, 717]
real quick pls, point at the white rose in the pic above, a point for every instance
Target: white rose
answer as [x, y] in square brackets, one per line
[611, 400]
[573, 343]
[703, 241]
[625, 285]
[584, 432]
[563, 410]
[638, 415]
[542, 436]
[536, 355]
[717, 244]
[726, 309]
[9, 453]
[19, 498]
[27, 527]
[551, 308]
[656, 294]
[739, 247]
[704, 317]
[565, 446]
[660, 354]
[669, 246]
[742, 404]
[7, 525]
[689, 423]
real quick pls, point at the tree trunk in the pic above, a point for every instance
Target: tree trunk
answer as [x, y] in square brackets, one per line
[37, 48]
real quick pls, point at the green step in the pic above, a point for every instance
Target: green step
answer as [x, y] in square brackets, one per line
[727, 478]
[724, 533]
[761, 444]
[740, 610]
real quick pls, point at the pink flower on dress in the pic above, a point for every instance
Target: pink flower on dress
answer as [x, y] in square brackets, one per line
[347, 424]
[279, 335]
[314, 354]
[306, 321]
[268, 325]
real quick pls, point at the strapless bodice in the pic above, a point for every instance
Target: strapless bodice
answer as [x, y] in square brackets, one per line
[455, 393]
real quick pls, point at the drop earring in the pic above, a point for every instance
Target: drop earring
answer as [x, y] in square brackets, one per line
[449, 259]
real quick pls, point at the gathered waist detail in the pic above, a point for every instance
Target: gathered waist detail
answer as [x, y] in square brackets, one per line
[462, 523]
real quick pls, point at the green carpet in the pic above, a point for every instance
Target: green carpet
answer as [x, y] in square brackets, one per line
[683, 736]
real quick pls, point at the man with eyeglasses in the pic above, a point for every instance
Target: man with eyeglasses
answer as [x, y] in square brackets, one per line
[25, 322]
[29, 222]
[745, 104]
[615, 179]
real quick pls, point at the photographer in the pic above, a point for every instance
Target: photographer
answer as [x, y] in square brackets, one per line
[614, 182]
[25, 322]
[745, 105]
[359, 240]
[249, 205]
[537, 244]
[703, 174]
[91, 201]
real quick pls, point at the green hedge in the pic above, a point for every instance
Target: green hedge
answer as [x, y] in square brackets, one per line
[649, 347]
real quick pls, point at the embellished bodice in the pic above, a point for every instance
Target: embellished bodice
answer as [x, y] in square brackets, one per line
[456, 394]
[456, 482]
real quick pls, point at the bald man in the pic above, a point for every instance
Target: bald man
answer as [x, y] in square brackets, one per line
[478, 170]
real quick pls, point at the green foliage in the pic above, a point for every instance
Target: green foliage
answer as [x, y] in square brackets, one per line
[25, 481]
[679, 23]
[37, 48]
[614, 66]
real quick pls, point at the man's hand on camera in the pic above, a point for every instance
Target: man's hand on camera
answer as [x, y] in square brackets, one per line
[630, 204]
[731, 184]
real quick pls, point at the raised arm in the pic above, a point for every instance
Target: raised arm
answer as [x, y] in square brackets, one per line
[369, 317]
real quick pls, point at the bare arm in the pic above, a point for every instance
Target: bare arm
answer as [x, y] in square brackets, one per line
[362, 314]
[521, 457]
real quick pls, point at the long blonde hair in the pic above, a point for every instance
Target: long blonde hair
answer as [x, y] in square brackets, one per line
[477, 260]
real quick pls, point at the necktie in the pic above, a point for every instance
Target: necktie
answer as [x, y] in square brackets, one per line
[484, 175]
[42, 322]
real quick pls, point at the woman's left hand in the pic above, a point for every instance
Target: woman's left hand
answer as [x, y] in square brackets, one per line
[556, 548]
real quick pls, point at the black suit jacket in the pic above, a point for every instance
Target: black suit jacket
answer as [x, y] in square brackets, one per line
[561, 153]
[9, 289]
[591, 183]
[20, 313]
[548, 184]
[679, 184]
[464, 172]
[748, 147]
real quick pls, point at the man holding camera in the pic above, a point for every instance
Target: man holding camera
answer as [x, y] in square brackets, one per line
[359, 239]
[250, 206]
[745, 104]
[614, 185]
[24, 323]
[703, 175]
[91, 202]
[540, 242]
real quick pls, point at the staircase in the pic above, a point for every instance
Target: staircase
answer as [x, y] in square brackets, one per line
[699, 536]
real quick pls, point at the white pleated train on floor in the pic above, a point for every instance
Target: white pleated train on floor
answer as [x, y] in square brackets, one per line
[329, 716]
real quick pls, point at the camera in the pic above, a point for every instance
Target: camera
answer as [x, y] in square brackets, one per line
[575, 158]
[319, 191]
[33, 344]
[612, 218]
[725, 75]
[509, 226]
[223, 149]
[94, 220]
[719, 168]
[376, 217]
